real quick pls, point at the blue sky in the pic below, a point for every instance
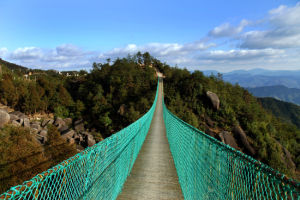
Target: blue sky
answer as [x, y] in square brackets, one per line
[219, 35]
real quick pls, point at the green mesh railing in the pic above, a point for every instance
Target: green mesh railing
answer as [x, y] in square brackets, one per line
[98, 172]
[209, 169]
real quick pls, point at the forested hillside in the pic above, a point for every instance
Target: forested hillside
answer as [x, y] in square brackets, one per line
[106, 99]
[13, 67]
[286, 111]
[239, 121]
[279, 92]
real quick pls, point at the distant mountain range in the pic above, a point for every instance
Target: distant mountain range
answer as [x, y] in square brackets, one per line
[261, 77]
[286, 111]
[279, 92]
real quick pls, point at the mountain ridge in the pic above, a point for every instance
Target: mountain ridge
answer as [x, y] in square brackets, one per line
[260, 77]
[280, 92]
[286, 111]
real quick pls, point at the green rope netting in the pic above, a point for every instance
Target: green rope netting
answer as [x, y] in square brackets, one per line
[209, 169]
[98, 172]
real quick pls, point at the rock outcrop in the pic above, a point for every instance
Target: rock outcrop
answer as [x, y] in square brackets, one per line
[229, 139]
[69, 134]
[13, 117]
[4, 118]
[46, 122]
[287, 157]
[26, 123]
[214, 99]
[59, 122]
[79, 125]
[79, 135]
[68, 121]
[122, 109]
[88, 140]
[242, 138]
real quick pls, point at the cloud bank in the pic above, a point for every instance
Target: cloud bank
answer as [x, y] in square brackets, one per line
[284, 32]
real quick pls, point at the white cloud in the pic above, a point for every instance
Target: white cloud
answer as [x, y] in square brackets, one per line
[63, 57]
[237, 55]
[66, 52]
[27, 54]
[159, 49]
[285, 16]
[227, 30]
[69, 50]
[284, 31]
[228, 60]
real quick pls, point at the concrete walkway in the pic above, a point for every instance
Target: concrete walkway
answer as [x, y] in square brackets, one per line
[153, 175]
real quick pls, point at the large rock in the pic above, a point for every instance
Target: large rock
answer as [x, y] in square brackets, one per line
[35, 125]
[122, 109]
[289, 161]
[287, 157]
[90, 140]
[34, 131]
[71, 141]
[214, 99]
[78, 138]
[242, 138]
[40, 138]
[63, 128]
[47, 122]
[15, 123]
[59, 122]
[4, 118]
[229, 139]
[20, 121]
[13, 117]
[68, 121]
[79, 125]
[26, 123]
[44, 133]
[19, 114]
[220, 137]
[68, 134]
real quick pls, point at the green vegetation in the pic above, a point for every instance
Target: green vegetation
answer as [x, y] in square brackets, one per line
[185, 95]
[22, 156]
[120, 92]
[109, 98]
[288, 112]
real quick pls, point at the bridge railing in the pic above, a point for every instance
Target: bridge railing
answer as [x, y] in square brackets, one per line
[98, 172]
[209, 169]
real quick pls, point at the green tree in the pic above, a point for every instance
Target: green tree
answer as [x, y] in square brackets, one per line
[21, 158]
[56, 148]
[8, 94]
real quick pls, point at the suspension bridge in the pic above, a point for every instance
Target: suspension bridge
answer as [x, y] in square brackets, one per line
[158, 157]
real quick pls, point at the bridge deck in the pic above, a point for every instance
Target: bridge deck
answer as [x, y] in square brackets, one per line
[153, 175]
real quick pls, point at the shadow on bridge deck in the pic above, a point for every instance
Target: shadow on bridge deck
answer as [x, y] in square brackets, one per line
[153, 175]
